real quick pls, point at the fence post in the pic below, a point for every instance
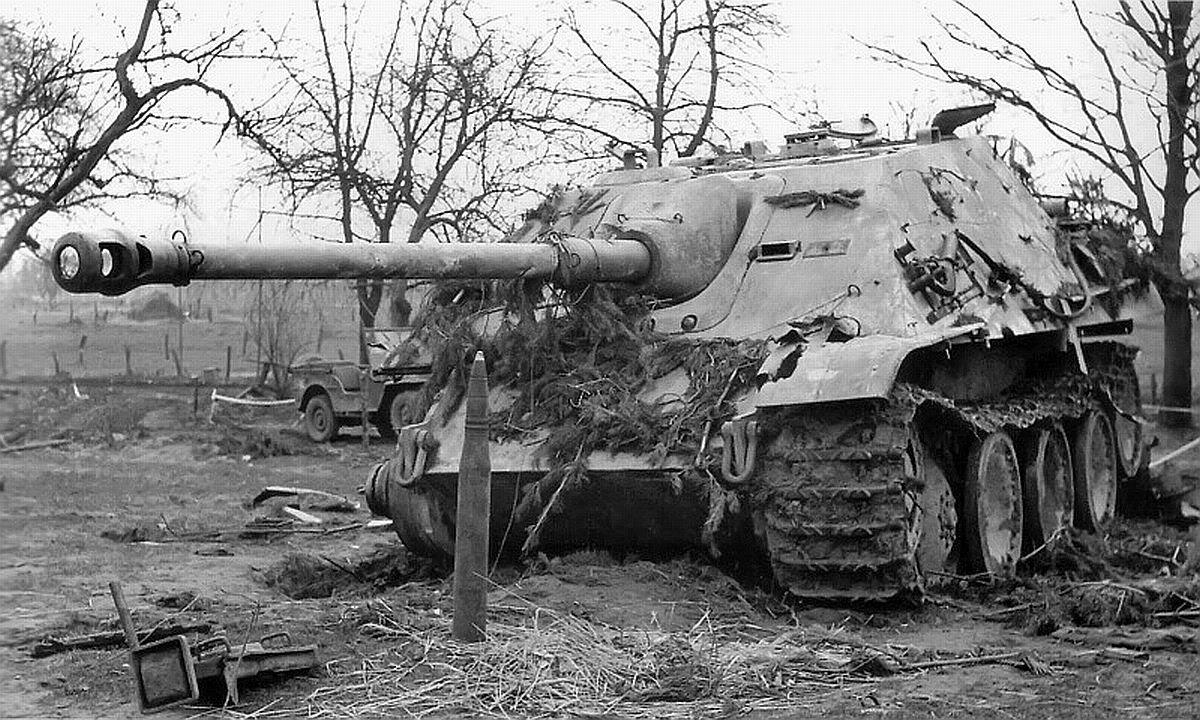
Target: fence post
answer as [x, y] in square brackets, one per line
[82, 345]
[228, 361]
[167, 346]
[57, 368]
[366, 430]
[128, 360]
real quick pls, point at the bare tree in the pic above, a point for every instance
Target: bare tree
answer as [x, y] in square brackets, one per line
[669, 66]
[63, 118]
[403, 137]
[1148, 69]
[280, 324]
[28, 278]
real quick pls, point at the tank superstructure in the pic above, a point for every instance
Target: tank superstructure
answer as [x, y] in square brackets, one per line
[938, 383]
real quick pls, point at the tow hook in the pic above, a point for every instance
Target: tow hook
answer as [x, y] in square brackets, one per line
[739, 450]
[412, 446]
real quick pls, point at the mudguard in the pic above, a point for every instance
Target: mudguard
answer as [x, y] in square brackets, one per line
[860, 368]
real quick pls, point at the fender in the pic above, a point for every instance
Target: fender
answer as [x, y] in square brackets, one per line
[344, 401]
[864, 367]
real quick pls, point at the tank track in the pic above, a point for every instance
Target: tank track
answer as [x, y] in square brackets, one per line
[837, 488]
[833, 499]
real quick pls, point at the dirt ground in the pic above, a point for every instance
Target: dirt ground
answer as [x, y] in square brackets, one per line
[132, 495]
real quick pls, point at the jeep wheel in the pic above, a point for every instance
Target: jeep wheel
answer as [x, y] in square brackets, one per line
[319, 420]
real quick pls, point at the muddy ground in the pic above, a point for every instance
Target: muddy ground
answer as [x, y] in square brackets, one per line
[142, 480]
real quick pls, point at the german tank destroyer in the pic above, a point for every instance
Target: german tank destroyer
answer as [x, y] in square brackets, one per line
[904, 369]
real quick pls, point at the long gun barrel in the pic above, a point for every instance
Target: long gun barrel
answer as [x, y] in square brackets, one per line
[113, 263]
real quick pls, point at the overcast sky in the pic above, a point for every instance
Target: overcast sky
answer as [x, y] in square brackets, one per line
[815, 61]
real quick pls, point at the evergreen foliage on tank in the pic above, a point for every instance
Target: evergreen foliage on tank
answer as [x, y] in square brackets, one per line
[579, 361]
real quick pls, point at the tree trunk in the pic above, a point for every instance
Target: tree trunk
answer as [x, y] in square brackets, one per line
[1177, 356]
[399, 309]
[714, 77]
[13, 239]
[1177, 316]
[370, 294]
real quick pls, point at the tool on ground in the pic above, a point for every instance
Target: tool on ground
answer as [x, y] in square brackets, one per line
[171, 671]
[163, 673]
[216, 659]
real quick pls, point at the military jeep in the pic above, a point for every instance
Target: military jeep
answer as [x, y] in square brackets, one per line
[336, 393]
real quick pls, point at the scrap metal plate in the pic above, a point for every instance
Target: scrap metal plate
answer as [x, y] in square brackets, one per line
[164, 674]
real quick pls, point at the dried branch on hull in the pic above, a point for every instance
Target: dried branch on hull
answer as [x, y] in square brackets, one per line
[568, 477]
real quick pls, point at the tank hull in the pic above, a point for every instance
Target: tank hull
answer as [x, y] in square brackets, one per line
[627, 512]
[841, 504]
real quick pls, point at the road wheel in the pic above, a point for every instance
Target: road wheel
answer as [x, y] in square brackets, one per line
[1127, 432]
[319, 420]
[1131, 445]
[938, 522]
[991, 515]
[1094, 459]
[1048, 486]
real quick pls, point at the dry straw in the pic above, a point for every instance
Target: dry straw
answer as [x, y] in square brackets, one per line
[550, 664]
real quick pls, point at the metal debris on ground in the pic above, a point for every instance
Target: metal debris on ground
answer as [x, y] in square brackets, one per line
[217, 659]
[309, 499]
[160, 678]
[170, 670]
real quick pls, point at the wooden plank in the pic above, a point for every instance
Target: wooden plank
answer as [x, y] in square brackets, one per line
[302, 516]
[53, 644]
[33, 445]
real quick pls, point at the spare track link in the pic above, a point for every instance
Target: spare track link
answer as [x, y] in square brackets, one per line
[837, 498]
